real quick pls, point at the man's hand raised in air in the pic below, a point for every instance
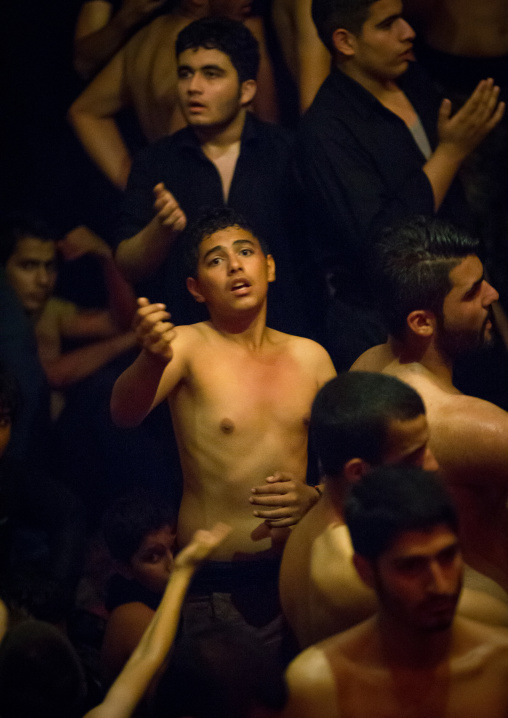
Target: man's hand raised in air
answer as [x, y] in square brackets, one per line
[154, 331]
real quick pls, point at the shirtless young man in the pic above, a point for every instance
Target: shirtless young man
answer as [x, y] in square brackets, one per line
[240, 396]
[358, 420]
[437, 306]
[143, 75]
[307, 58]
[414, 657]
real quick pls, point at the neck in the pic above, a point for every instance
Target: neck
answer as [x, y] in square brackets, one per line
[424, 352]
[248, 328]
[377, 86]
[410, 647]
[224, 136]
[334, 496]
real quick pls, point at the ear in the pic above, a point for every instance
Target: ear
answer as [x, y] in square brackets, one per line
[193, 287]
[354, 469]
[270, 263]
[365, 570]
[247, 91]
[422, 322]
[344, 42]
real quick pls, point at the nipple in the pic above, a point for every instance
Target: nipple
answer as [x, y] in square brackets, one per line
[227, 426]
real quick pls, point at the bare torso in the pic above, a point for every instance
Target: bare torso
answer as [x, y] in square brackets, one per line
[469, 438]
[347, 676]
[239, 417]
[464, 27]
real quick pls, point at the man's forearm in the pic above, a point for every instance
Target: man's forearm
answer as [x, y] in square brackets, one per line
[441, 169]
[103, 142]
[140, 256]
[135, 391]
[73, 366]
[122, 300]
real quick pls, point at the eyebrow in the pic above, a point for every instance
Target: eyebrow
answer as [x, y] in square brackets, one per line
[219, 247]
[390, 18]
[201, 67]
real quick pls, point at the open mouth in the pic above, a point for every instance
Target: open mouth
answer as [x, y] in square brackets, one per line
[240, 286]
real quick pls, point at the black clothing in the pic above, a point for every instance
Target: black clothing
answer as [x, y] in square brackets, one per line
[120, 590]
[359, 169]
[258, 192]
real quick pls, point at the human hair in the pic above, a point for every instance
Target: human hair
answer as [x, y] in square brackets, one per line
[131, 518]
[219, 672]
[411, 267]
[40, 673]
[390, 500]
[15, 228]
[212, 220]
[351, 415]
[329, 15]
[10, 394]
[229, 36]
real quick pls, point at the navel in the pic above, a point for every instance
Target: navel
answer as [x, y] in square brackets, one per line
[227, 426]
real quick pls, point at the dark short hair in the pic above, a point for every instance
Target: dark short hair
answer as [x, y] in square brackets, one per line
[219, 672]
[229, 36]
[351, 415]
[131, 518]
[391, 500]
[212, 220]
[411, 267]
[329, 15]
[14, 229]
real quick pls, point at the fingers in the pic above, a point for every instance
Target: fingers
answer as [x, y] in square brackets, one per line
[154, 331]
[167, 209]
[202, 544]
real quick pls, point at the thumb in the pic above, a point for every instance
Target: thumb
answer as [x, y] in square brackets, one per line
[445, 110]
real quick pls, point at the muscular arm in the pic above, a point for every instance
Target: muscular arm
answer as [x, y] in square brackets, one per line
[265, 103]
[92, 117]
[98, 35]
[311, 686]
[313, 57]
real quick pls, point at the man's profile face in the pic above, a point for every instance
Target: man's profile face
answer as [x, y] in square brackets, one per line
[407, 444]
[465, 323]
[383, 48]
[152, 563]
[209, 90]
[419, 577]
[233, 272]
[31, 272]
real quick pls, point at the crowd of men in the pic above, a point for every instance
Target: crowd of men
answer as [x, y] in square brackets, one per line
[286, 377]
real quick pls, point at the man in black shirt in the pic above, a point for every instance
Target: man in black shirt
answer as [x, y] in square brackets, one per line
[224, 156]
[370, 153]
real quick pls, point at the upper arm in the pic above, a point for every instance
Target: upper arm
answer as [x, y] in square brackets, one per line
[91, 323]
[107, 92]
[311, 687]
[124, 629]
[314, 60]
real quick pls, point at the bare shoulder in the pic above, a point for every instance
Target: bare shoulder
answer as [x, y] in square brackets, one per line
[311, 684]
[476, 641]
[306, 351]
[375, 359]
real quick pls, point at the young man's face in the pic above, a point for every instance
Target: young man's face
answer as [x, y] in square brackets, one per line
[419, 578]
[31, 272]
[233, 273]
[407, 444]
[209, 90]
[383, 49]
[465, 323]
[152, 563]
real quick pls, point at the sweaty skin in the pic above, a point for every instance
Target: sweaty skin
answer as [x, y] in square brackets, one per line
[462, 27]
[240, 395]
[306, 57]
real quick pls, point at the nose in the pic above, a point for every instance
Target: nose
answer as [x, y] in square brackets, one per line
[406, 31]
[195, 83]
[234, 262]
[43, 278]
[429, 461]
[438, 581]
[490, 294]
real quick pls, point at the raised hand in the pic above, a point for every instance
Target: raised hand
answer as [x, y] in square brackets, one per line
[168, 211]
[154, 331]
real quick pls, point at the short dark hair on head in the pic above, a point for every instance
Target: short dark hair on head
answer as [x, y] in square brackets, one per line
[351, 415]
[15, 228]
[10, 394]
[329, 15]
[219, 672]
[391, 500]
[212, 220]
[132, 517]
[229, 36]
[411, 267]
